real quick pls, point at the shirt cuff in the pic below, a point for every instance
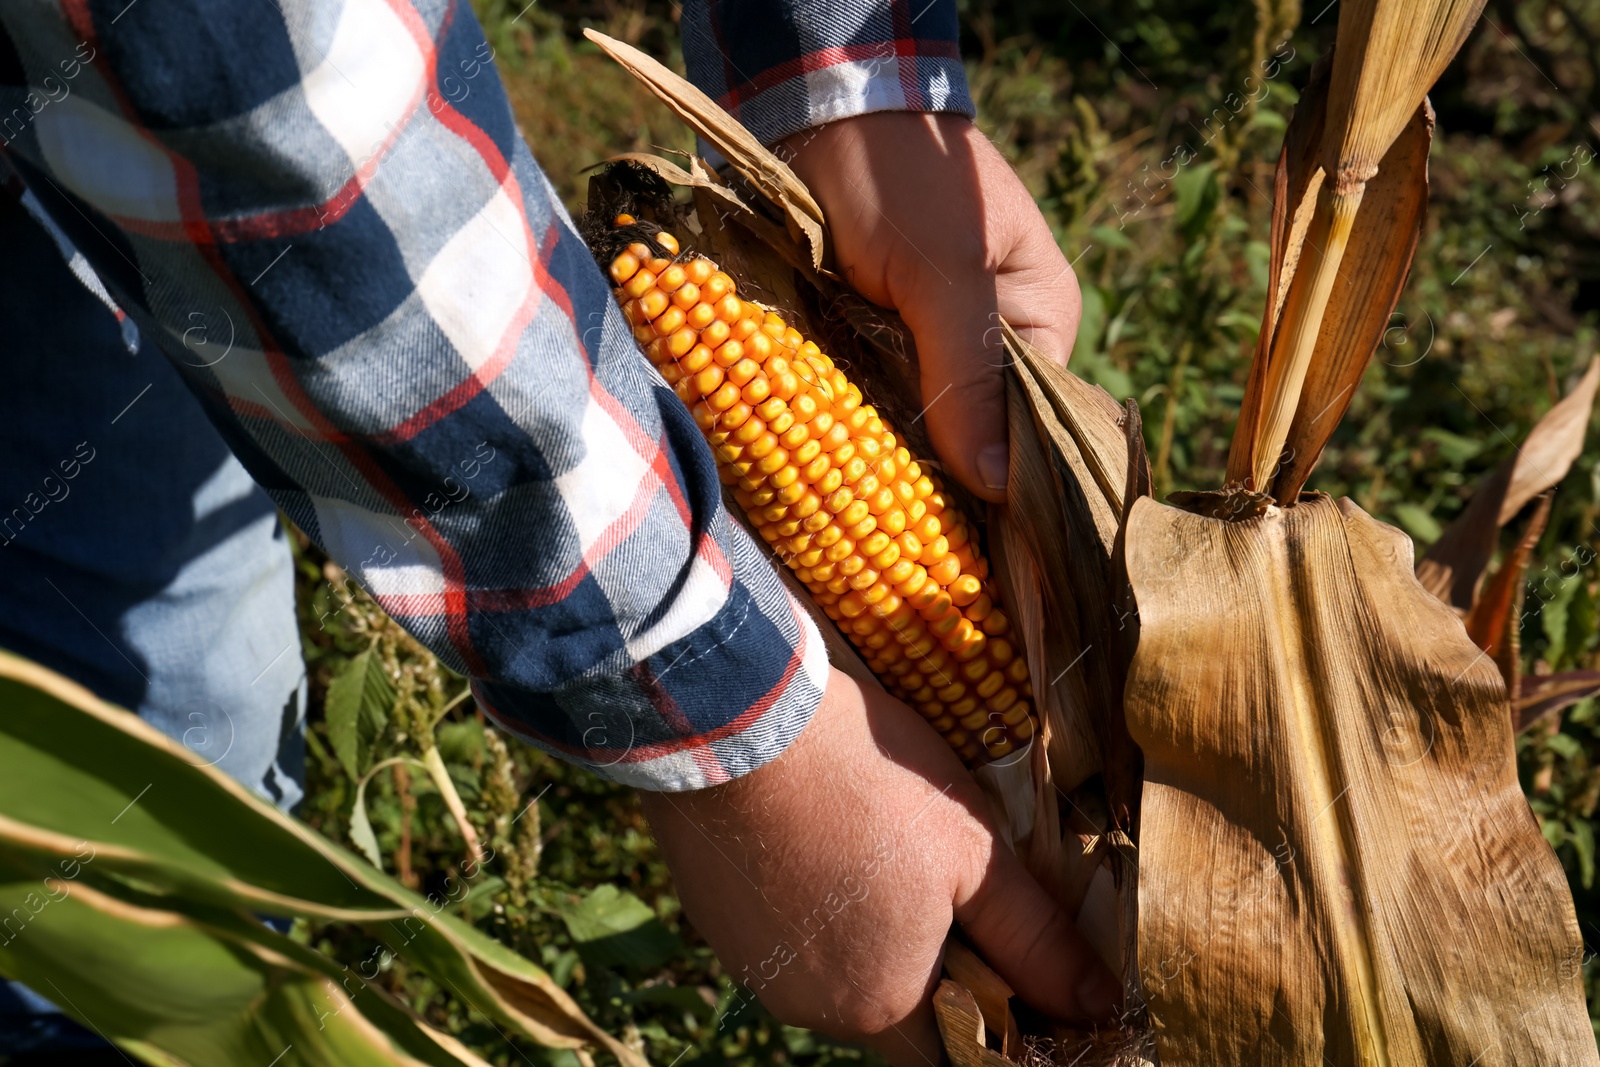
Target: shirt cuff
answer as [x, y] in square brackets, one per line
[781, 66]
[720, 703]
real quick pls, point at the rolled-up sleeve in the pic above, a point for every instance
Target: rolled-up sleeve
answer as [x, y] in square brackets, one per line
[322, 214]
[781, 66]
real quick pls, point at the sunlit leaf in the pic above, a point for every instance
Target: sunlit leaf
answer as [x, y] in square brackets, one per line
[82, 774]
[361, 834]
[357, 708]
[1319, 733]
[614, 928]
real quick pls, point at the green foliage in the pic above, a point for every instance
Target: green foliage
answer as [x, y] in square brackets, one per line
[357, 709]
[614, 928]
[135, 880]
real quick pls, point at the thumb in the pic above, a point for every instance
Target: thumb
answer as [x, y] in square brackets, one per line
[954, 316]
[1035, 945]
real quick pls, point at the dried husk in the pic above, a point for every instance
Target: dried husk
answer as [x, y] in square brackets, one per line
[1494, 623]
[1077, 459]
[771, 177]
[1453, 567]
[962, 1027]
[1388, 53]
[1066, 500]
[989, 991]
[1337, 861]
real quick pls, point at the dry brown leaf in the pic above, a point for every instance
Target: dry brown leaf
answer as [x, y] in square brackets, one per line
[1453, 567]
[1494, 621]
[1091, 419]
[1387, 54]
[988, 989]
[1078, 460]
[1337, 860]
[1376, 263]
[770, 175]
[961, 1026]
[1545, 694]
[1390, 52]
[1032, 541]
[1069, 515]
[1371, 275]
[1294, 197]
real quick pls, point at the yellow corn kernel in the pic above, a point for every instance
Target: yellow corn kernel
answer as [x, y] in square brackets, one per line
[884, 551]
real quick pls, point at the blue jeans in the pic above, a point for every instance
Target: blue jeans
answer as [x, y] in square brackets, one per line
[136, 555]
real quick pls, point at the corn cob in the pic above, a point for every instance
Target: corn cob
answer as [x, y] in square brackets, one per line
[883, 551]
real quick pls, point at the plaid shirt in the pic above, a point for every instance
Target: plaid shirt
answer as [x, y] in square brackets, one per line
[323, 215]
[781, 66]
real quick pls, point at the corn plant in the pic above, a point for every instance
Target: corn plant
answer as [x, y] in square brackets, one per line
[1286, 736]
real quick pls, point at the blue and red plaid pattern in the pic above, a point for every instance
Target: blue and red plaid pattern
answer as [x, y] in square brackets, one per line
[323, 215]
[781, 66]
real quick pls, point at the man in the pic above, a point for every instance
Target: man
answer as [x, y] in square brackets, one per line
[322, 216]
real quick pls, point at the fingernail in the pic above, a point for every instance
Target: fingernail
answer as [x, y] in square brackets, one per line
[1098, 995]
[992, 464]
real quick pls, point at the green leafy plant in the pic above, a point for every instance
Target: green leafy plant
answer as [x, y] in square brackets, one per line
[140, 873]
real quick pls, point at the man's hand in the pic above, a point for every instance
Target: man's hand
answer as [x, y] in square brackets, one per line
[827, 881]
[928, 219]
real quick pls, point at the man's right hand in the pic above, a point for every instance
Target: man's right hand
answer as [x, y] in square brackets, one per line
[827, 881]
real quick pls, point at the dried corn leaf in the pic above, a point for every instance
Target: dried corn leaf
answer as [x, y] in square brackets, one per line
[1387, 54]
[1296, 181]
[1545, 694]
[1376, 263]
[1493, 622]
[1454, 565]
[770, 175]
[988, 989]
[1337, 862]
[961, 1026]
[1390, 52]
[1372, 273]
[1069, 517]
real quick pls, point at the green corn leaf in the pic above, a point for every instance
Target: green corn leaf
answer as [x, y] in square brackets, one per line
[174, 988]
[85, 779]
[1199, 193]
